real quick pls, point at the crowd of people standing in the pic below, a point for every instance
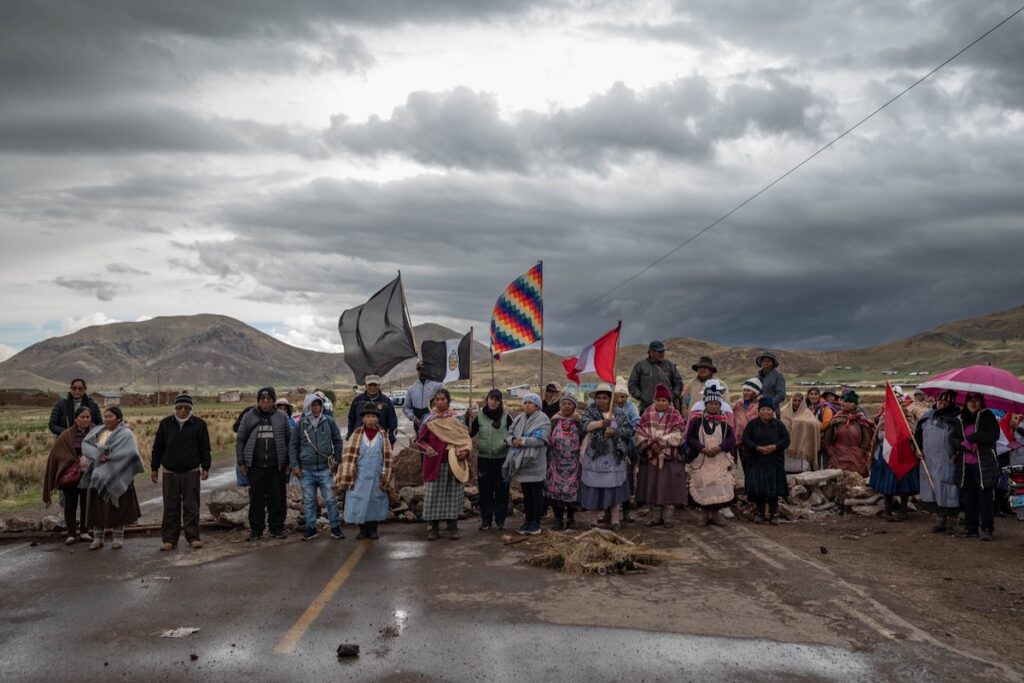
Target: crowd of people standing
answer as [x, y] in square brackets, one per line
[652, 441]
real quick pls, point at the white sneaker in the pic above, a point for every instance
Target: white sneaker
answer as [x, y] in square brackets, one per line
[70, 540]
[727, 513]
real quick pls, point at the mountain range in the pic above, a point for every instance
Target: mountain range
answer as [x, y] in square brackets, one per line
[211, 352]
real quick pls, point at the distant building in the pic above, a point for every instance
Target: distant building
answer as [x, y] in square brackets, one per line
[233, 396]
[106, 399]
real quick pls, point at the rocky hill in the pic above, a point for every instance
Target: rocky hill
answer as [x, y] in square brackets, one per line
[216, 352]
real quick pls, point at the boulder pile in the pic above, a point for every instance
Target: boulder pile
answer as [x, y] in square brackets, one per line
[829, 492]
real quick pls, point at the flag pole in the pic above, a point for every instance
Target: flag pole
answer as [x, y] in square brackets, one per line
[542, 335]
[917, 449]
[470, 368]
[408, 317]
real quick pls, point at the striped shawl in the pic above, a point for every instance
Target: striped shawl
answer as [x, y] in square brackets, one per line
[346, 477]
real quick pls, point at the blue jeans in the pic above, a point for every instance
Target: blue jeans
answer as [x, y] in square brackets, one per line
[311, 481]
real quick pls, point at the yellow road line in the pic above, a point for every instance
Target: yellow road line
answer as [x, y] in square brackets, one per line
[296, 632]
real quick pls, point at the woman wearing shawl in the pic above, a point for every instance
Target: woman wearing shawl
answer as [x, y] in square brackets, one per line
[443, 495]
[822, 409]
[934, 434]
[114, 460]
[620, 399]
[848, 437]
[974, 441]
[365, 473]
[64, 471]
[765, 441]
[562, 486]
[608, 436]
[745, 410]
[527, 459]
[710, 443]
[883, 480]
[661, 482]
[804, 435]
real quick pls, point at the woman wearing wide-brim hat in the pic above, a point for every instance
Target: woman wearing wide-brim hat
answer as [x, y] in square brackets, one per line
[365, 472]
[446, 445]
[848, 437]
[694, 391]
[608, 434]
[773, 383]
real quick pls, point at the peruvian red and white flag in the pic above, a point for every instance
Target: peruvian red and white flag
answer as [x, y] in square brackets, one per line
[598, 357]
[897, 450]
[1006, 440]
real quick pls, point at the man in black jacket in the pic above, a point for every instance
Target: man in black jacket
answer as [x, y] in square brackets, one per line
[388, 417]
[182, 448]
[63, 414]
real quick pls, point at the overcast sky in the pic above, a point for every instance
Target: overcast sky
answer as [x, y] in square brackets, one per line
[278, 162]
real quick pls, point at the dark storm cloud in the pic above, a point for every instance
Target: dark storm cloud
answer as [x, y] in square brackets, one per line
[54, 48]
[101, 289]
[681, 120]
[841, 256]
[126, 130]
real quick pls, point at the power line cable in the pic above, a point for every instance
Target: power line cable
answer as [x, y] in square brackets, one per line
[794, 168]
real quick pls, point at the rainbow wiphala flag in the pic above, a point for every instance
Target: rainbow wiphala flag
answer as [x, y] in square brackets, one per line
[518, 316]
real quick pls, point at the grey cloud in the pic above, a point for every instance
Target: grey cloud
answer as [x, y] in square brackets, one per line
[684, 119]
[125, 269]
[855, 251]
[459, 128]
[101, 289]
[146, 129]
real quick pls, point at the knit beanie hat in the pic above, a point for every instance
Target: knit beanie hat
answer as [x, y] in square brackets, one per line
[754, 384]
[534, 399]
[566, 396]
[711, 395]
[851, 397]
[495, 393]
[269, 391]
[766, 402]
[661, 391]
[183, 399]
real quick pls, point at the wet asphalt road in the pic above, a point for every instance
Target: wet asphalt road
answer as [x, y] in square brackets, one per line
[737, 606]
[104, 611]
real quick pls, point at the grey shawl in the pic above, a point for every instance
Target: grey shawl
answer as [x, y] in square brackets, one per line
[113, 477]
[528, 463]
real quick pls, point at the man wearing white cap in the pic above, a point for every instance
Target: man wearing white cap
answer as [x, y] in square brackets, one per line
[387, 417]
[182, 448]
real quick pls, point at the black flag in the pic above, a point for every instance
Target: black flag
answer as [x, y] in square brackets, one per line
[377, 335]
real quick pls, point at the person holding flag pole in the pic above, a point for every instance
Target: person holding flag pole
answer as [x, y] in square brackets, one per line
[894, 467]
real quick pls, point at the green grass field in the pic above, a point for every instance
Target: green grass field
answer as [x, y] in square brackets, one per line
[25, 443]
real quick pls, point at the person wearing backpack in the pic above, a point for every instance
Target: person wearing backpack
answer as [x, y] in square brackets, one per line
[314, 452]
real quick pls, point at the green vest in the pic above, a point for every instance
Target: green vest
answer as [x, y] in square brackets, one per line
[490, 442]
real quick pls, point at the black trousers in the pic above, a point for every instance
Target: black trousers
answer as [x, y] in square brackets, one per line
[266, 499]
[976, 502]
[74, 497]
[493, 491]
[181, 505]
[533, 501]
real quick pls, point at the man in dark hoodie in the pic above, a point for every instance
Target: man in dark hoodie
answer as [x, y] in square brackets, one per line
[261, 452]
[182, 448]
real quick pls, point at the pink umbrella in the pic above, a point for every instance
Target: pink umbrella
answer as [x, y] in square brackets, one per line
[1001, 388]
